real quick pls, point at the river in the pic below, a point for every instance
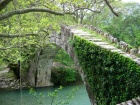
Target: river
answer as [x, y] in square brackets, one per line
[14, 97]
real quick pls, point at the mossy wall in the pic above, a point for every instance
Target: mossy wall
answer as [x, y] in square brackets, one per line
[112, 77]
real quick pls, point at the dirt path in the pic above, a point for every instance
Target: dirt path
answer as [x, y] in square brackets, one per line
[4, 71]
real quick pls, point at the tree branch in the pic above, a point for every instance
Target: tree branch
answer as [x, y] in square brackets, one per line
[27, 10]
[14, 36]
[87, 9]
[110, 7]
[9, 48]
[4, 3]
[5, 48]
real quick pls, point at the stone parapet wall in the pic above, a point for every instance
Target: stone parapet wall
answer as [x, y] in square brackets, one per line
[135, 101]
[130, 52]
[62, 40]
[121, 44]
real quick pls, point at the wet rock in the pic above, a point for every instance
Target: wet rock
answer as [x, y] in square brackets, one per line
[39, 74]
[133, 51]
[10, 83]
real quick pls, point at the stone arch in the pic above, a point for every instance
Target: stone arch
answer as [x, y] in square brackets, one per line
[62, 40]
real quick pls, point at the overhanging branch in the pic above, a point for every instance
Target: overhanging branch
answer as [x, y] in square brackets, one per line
[27, 10]
[4, 3]
[10, 48]
[110, 7]
[14, 36]
[82, 8]
[6, 48]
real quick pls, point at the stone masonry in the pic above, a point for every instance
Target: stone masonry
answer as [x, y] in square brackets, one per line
[62, 40]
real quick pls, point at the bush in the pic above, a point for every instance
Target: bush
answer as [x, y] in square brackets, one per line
[112, 77]
[61, 76]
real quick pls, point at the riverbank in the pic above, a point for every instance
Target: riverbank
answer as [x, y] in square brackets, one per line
[8, 81]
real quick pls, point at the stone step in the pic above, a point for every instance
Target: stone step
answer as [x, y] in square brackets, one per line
[101, 43]
[137, 60]
[78, 32]
[95, 40]
[109, 47]
[123, 103]
[92, 38]
[85, 34]
[127, 55]
[118, 51]
[133, 56]
[131, 102]
[136, 101]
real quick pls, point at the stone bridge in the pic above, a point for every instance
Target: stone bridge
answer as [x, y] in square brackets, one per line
[64, 41]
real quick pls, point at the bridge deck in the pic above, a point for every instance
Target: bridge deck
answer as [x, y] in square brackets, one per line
[104, 44]
[96, 38]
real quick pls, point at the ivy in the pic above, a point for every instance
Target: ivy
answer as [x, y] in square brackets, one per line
[112, 77]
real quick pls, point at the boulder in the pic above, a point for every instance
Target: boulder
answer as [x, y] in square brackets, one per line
[39, 74]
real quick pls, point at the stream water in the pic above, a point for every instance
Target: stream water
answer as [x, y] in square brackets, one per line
[14, 97]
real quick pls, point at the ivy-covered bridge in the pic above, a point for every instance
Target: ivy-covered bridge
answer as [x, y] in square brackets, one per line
[111, 74]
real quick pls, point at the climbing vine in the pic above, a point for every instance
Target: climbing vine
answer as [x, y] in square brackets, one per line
[112, 77]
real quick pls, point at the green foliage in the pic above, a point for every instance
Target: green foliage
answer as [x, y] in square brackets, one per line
[63, 75]
[38, 96]
[125, 27]
[69, 95]
[112, 77]
[24, 48]
[53, 95]
[63, 58]
[65, 72]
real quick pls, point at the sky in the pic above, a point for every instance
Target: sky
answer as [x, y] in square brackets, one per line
[138, 1]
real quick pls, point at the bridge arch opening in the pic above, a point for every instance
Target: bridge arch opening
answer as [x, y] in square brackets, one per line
[63, 69]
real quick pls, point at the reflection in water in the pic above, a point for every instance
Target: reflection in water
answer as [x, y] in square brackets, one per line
[12, 97]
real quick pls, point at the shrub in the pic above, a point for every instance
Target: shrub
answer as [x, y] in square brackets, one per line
[62, 75]
[112, 77]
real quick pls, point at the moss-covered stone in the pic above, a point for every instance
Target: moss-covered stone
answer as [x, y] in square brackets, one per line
[112, 77]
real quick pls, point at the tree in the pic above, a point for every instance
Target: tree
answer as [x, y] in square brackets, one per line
[124, 27]
[61, 5]
[18, 37]
[24, 25]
